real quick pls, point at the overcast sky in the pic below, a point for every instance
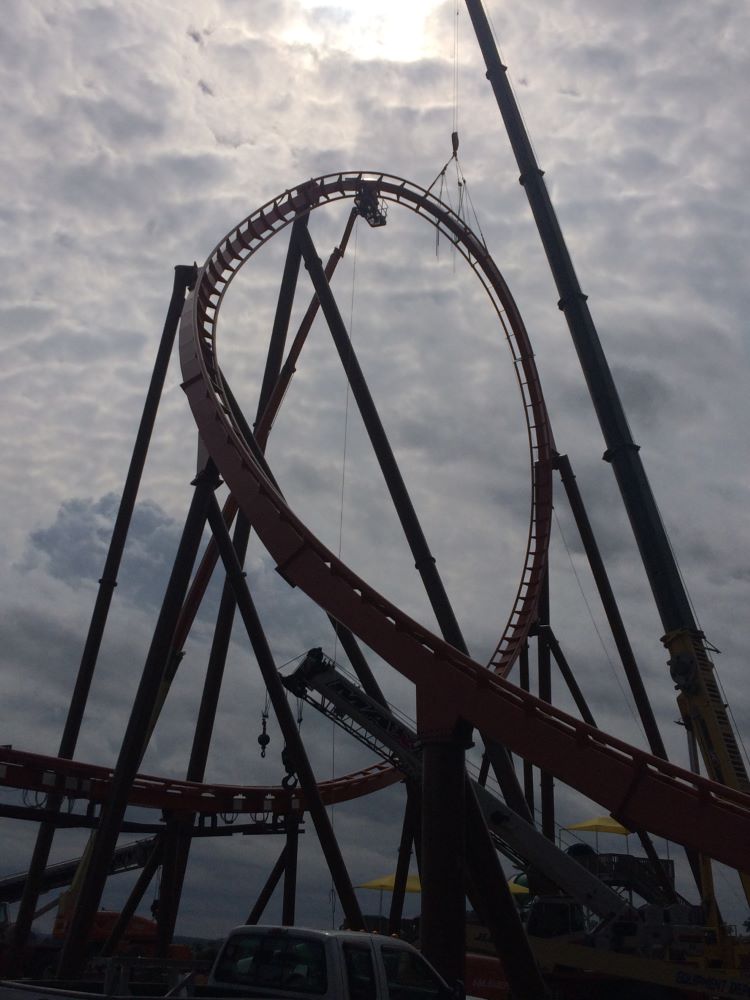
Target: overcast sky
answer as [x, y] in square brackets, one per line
[136, 135]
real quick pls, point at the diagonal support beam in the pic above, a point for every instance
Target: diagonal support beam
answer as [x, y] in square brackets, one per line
[285, 717]
[184, 278]
[446, 755]
[264, 897]
[283, 314]
[424, 560]
[133, 746]
[177, 867]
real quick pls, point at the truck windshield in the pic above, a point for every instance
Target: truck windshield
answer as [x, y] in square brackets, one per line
[274, 962]
[410, 977]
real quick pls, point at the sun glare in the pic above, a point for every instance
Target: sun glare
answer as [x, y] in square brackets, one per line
[389, 29]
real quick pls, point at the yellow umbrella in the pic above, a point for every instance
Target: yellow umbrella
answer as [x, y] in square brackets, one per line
[388, 882]
[516, 888]
[601, 824]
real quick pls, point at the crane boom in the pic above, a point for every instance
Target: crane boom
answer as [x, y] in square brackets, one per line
[701, 706]
[376, 726]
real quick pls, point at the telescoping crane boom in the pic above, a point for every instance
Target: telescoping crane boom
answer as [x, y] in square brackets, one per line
[318, 681]
[700, 702]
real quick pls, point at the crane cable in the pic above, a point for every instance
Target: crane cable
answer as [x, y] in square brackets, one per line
[465, 202]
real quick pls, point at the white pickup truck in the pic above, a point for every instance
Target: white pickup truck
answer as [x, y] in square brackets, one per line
[293, 962]
[285, 963]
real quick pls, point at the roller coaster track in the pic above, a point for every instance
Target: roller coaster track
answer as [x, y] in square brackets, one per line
[642, 791]
[253, 232]
[91, 783]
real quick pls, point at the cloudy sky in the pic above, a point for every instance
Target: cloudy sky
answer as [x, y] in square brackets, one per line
[137, 135]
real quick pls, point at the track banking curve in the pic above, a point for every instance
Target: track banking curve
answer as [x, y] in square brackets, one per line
[642, 791]
[235, 250]
[92, 783]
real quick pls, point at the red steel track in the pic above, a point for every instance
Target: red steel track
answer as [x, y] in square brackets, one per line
[91, 783]
[643, 791]
[252, 233]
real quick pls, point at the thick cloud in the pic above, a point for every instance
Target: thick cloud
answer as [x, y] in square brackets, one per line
[134, 139]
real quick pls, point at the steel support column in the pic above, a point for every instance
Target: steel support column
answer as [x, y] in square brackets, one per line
[277, 696]
[184, 277]
[443, 889]
[544, 669]
[290, 870]
[131, 752]
[176, 839]
[528, 767]
[404, 857]
[266, 418]
[443, 920]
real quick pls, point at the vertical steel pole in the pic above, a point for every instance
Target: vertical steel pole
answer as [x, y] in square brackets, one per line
[184, 277]
[443, 921]
[282, 316]
[528, 768]
[176, 839]
[131, 752]
[544, 668]
[290, 870]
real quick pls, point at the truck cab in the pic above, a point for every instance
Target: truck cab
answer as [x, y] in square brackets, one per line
[294, 962]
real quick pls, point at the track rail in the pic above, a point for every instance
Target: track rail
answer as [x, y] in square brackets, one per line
[238, 246]
[643, 791]
[91, 782]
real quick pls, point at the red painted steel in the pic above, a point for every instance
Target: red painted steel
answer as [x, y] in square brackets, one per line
[642, 791]
[91, 782]
[253, 232]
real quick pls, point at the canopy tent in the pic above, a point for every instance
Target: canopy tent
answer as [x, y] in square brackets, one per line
[601, 824]
[388, 882]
